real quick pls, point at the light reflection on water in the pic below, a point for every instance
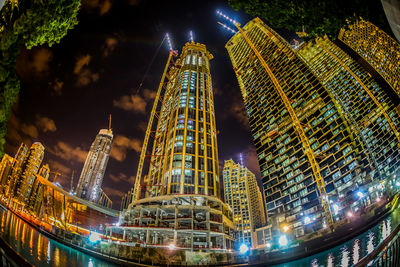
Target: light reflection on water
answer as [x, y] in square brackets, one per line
[356, 251]
[345, 257]
[47, 252]
[40, 250]
[360, 246]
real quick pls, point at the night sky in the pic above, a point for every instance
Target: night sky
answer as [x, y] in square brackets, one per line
[68, 90]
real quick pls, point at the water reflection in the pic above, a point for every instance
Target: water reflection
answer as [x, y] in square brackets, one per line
[38, 249]
[345, 257]
[331, 260]
[370, 244]
[356, 251]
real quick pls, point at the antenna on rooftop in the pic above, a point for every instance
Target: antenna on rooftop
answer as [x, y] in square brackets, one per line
[191, 37]
[169, 42]
[109, 123]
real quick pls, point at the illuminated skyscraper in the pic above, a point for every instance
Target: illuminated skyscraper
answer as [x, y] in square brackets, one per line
[293, 145]
[5, 171]
[182, 186]
[30, 168]
[16, 172]
[376, 47]
[362, 100]
[243, 195]
[36, 196]
[89, 184]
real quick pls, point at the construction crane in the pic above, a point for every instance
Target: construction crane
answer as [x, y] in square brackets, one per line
[297, 125]
[136, 190]
[371, 95]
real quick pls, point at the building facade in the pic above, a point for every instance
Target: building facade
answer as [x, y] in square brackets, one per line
[182, 204]
[127, 199]
[5, 172]
[377, 48]
[91, 179]
[243, 195]
[34, 204]
[30, 169]
[104, 200]
[292, 195]
[16, 172]
[364, 104]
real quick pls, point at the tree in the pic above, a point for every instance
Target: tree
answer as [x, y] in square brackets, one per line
[28, 23]
[319, 17]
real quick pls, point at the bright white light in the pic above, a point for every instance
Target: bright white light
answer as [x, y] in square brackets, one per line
[397, 183]
[378, 199]
[335, 208]
[268, 245]
[171, 246]
[349, 214]
[117, 224]
[283, 241]
[307, 220]
[285, 228]
[94, 237]
[243, 248]
[360, 194]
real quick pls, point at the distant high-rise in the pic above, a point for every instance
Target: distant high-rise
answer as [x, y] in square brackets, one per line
[5, 171]
[369, 109]
[89, 184]
[36, 196]
[243, 195]
[16, 172]
[182, 188]
[293, 145]
[30, 168]
[377, 48]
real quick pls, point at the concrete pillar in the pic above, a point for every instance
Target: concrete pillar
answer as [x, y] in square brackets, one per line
[208, 238]
[148, 236]
[123, 235]
[223, 242]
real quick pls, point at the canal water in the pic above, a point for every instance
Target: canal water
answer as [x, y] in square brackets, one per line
[350, 252]
[39, 250]
[42, 251]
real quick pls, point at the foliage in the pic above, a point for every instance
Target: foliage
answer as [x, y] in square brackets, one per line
[319, 17]
[29, 23]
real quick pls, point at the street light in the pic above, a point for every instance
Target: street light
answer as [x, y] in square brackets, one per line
[243, 248]
[283, 241]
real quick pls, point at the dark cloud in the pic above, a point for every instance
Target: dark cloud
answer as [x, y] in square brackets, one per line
[135, 103]
[45, 124]
[57, 86]
[68, 152]
[34, 63]
[109, 46]
[84, 75]
[121, 145]
[99, 7]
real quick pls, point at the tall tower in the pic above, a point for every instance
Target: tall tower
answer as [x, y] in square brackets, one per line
[183, 171]
[19, 159]
[5, 171]
[186, 135]
[244, 197]
[307, 153]
[89, 184]
[35, 199]
[30, 169]
[365, 104]
[377, 48]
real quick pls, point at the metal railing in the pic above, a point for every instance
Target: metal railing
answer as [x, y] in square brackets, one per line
[386, 254]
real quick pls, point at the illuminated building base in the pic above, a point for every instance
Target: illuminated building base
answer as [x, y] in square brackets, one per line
[192, 222]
